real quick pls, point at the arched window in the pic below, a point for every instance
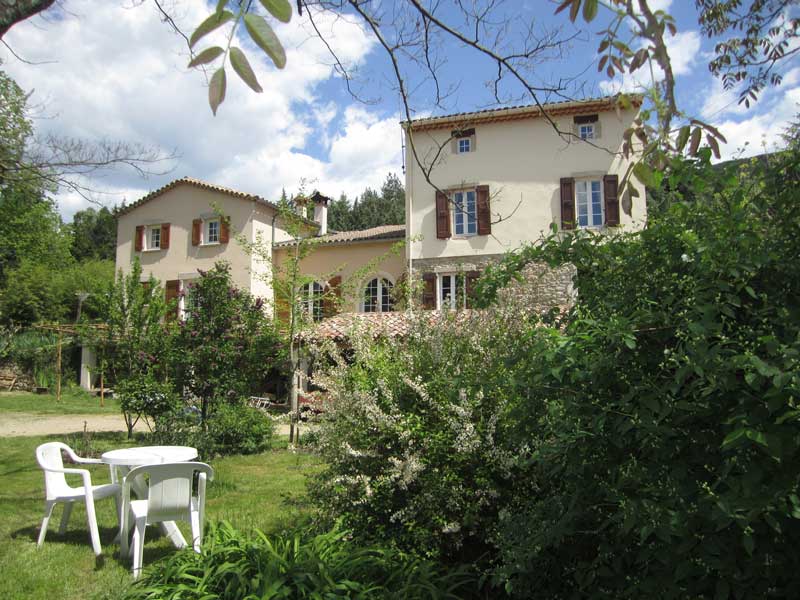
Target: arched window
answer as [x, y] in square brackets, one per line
[378, 296]
[312, 300]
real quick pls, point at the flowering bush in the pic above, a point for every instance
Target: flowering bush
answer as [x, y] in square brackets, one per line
[413, 435]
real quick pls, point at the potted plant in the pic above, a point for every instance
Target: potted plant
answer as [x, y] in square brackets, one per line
[42, 377]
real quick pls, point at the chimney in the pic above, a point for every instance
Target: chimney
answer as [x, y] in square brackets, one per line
[321, 211]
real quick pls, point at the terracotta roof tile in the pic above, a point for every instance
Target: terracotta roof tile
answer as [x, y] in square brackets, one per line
[383, 232]
[520, 111]
[205, 186]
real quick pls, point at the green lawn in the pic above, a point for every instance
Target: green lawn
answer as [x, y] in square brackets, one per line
[248, 491]
[73, 401]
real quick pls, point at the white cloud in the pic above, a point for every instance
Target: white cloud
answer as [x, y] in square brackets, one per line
[121, 74]
[761, 132]
[683, 49]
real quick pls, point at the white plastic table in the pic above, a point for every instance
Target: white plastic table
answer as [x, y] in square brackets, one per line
[124, 459]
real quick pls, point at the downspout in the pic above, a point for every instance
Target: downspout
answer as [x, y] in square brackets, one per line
[409, 233]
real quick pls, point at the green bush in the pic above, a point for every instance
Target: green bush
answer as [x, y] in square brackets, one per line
[645, 445]
[237, 429]
[231, 429]
[234, 566]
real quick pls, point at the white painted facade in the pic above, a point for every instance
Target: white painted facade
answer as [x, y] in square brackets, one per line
[521, 158]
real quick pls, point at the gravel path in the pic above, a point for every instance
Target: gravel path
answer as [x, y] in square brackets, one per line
[19, 424]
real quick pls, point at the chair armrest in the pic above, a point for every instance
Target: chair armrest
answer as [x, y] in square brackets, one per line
[87, 478]
[77, 459]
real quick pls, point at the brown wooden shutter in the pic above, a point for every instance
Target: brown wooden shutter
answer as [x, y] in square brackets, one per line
[611, 197]
[471, 278]
[442, 216]
[224, 230]
[165, 236]
[429, 291]
[171, 297]
[567, 203]
[332, 297]
[484, 212]
[197, 224]
[138, 239]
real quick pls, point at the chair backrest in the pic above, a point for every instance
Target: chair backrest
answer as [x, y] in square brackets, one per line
[170, 488]
[49, 457]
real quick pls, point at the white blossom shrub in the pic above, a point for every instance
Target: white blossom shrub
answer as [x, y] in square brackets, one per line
[418, 455]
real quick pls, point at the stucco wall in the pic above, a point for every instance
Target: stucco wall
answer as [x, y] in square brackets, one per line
[179, 206]
[356, 263]
[522, 161]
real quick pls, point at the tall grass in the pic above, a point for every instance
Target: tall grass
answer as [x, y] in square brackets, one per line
[235, 566]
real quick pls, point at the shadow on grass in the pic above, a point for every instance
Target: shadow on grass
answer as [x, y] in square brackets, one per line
[156, 545]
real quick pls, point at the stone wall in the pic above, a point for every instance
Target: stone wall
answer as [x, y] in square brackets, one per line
[542, 287]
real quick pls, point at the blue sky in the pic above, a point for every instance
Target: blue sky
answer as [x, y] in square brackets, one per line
[112, 71]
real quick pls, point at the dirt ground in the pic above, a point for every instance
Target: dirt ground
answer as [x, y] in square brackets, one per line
[19, 424]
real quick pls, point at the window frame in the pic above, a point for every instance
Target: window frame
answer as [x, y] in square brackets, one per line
[467, 147]
[588, 192]
[457, 282]
[309, 301]
[150, 232]
[206, 238]
[379, 288]
[464, 213]
[590, 130]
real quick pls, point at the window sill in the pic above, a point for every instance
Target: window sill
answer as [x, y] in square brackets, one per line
[152, 250]
[211, 244]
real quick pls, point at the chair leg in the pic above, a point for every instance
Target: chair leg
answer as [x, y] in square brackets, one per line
[197, 531]
[65, 518]
[138, 546]
[48, 511]
[91, 517]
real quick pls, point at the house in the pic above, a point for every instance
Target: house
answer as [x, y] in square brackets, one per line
[493, 180]
[356, 271]
[489, 182]
[188, 225]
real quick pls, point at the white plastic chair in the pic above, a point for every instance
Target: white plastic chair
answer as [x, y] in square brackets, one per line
[169, 498]
[58, 490]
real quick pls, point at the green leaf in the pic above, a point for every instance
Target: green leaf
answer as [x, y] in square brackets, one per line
[216, 91]
[243, 70]
[589, 10]
[644, 174]
[749, 543]
[265, 38]
[280, 9]
[734, 438]
[218, 19]
[206, 56]
[683, 137]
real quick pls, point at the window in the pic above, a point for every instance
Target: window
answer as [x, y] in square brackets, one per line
[589, 200]
[464, 145]
[154, 237]
[378, 296]
[465, 213]
[212, 232]
[312, 300]
[586, 132]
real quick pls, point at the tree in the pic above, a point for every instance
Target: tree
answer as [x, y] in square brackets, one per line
[371, 209]
[225, 344]
[133, 344]
[94, 234]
